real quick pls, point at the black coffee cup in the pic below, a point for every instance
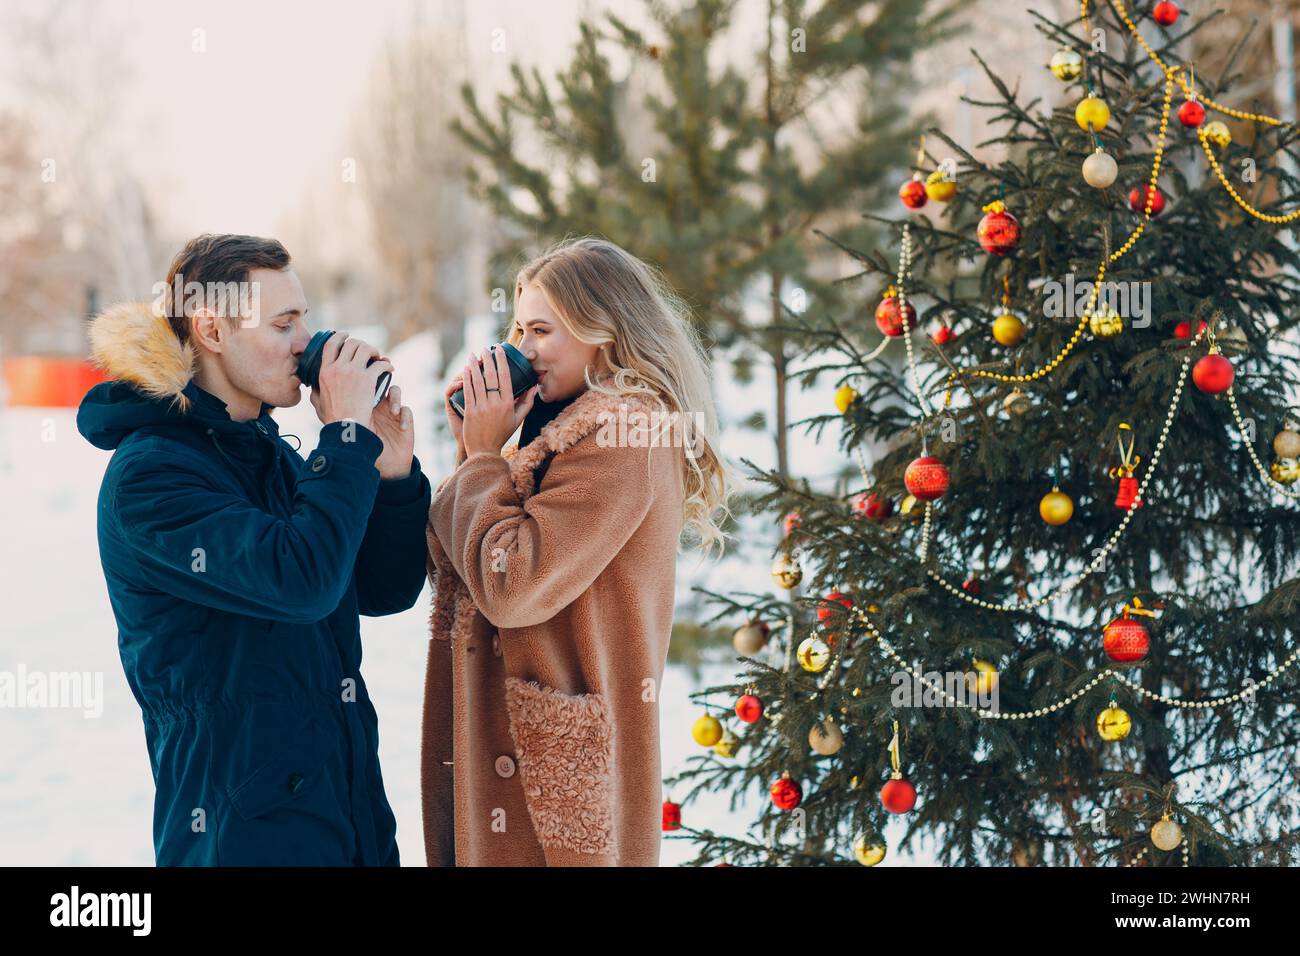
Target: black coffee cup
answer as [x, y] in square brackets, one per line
[522, 376]
[309, 366]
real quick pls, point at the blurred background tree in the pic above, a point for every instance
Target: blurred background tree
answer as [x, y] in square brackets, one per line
[711, 163]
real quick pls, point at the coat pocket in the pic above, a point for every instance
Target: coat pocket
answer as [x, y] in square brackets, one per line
[286, 776]
[565, 753]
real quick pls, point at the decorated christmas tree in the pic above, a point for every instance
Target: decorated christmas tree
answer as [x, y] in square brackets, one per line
[1051, 617]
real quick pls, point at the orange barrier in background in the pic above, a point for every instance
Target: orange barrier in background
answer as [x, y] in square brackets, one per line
[49, 382]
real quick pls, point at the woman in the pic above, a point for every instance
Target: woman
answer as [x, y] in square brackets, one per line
[553, 567]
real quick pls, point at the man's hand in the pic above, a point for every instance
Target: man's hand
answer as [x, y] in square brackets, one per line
[395, 424]
[347, 385]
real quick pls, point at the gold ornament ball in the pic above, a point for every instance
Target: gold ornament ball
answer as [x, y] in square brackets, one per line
[707, 730]
[749, 639]
[1217, 133]
[1100, 169]
[845, 395]
[1017, 402]
[1056, 508]
[1008, 330]
[985, 679]
[1066, 64]
[825, 738]
[1166, 834]
[1106, 323]
[940, 188]
[1287, 444]
[1114, 723]
[1285, 471]
[1092, 113]
[787, 572]
[813, 654]
[726, 745]
[868, 852]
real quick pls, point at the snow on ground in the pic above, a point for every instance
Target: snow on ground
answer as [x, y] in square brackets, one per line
[77, 790]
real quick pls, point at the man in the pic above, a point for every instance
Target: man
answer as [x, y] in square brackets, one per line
[237, 571]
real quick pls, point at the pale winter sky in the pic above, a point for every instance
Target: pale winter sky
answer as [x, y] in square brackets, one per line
[231, 122]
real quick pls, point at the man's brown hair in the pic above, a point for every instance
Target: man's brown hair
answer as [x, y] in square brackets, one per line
[217, 259]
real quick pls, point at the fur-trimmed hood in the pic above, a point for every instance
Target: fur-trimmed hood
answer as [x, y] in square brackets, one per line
[134, 343]
[151, 382]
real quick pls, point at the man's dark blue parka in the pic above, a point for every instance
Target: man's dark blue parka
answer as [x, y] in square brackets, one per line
[237, 571]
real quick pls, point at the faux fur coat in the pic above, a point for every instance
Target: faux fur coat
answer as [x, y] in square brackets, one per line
[550, 627]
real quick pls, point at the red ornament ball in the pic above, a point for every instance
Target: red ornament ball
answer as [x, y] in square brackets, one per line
[971, 585]
[878, 509]
[912, 193]
[998, 232]
[942, 334]
[892, 319]
[791, 523]
[749, 708]
[1165, 13]
[1137, 200]
[898, 795]
[786, 793]
[1183, 330]
[1213, 374]
[1125, 639]
[1191, 114]
[672, 816]
[824, 613]
[926, 478]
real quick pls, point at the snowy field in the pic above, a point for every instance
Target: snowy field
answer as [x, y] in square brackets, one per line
[77, 790]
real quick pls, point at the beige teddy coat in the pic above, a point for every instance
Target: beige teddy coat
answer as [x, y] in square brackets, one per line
[550, 626]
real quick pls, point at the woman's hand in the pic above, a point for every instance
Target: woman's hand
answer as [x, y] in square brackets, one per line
[491, 413]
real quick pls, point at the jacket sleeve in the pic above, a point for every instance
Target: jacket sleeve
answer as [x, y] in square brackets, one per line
[390, 567]
[525, 561]
[215, 548]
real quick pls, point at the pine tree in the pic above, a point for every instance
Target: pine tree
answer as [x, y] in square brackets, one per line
[1210, 550]
[689, 162]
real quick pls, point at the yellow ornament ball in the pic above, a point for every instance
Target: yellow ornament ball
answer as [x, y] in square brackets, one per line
[1008, 330]
[1056, 508]
[1166, 834]
[1217, 133]
[868, 852]
[1092, 113]
[787, 572]
[985, 679]
[707, 730]
[1285, 471]
[938, 188]
[825, 738]
[1017, 402]
[1066, 64]
[845, 396]
[1106, 323]
[726, 746]
[813, 654]
[1114, 723]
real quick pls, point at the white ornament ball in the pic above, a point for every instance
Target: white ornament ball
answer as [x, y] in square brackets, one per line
[1100, 170]
[825, 738]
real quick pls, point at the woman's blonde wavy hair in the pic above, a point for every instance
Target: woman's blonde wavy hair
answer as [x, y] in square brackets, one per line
[604, 295]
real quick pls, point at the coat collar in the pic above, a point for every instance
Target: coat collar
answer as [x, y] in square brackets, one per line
[589, 411]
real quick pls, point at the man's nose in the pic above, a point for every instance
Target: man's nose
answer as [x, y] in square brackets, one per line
[300, 340]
